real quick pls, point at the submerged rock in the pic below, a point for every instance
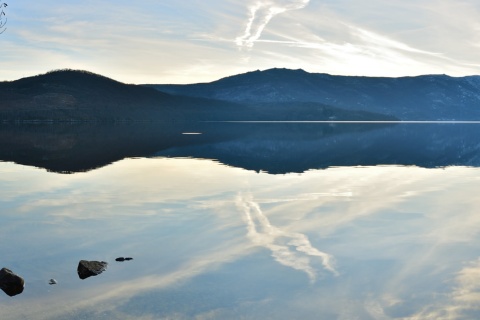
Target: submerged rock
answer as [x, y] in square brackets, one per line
[11, 283]
[52, 281]
[87, 269]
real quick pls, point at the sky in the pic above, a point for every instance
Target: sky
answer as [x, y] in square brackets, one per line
[171, 41]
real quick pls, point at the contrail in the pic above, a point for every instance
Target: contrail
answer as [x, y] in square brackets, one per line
[288, 248]
[261, 12]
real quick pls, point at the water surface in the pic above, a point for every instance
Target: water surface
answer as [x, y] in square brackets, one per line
[212, 241]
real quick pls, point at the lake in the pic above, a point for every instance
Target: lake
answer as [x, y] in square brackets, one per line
[242, 221]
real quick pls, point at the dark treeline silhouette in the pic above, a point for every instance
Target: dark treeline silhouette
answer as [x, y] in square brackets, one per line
[71, 95]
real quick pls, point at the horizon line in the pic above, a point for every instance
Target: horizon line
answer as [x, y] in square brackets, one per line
[360, 121]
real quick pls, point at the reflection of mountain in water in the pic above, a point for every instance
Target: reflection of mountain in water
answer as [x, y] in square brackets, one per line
[82, 147]
[272, 147]
[287, 148]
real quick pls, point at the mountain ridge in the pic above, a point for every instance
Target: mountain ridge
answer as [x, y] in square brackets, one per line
[424, 97]
[76, 95]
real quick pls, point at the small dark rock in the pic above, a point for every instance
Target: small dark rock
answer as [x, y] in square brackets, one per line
[10, 283]
[52, 281]
[121, 259]
[87, 269]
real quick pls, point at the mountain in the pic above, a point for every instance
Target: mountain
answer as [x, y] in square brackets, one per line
[67, 95]
[429, 97]
[72, 95]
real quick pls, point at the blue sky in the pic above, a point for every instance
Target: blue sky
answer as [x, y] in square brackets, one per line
[196, 41]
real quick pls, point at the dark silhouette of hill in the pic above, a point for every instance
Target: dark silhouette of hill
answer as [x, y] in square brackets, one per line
[429, 97]
[66, 95]
[72, 95]
[77, 96]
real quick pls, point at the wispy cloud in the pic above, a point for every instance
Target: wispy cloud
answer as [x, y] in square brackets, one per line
[288, 248]
[261, 12]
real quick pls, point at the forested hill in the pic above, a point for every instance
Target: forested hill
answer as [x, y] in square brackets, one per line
[81, 95]
[72, 95]
[428, 97]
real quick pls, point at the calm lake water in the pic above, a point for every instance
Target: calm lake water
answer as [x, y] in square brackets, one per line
[367, 239]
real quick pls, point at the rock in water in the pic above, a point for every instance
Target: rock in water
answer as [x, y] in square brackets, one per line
[121, 259]
[10, 283]
[52, 282]
[87, 269]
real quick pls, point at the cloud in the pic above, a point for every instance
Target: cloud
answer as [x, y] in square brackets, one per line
[260, 15]
[288, 248]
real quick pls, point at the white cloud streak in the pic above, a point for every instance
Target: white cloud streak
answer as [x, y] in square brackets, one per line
[261, 12]
[288, 248]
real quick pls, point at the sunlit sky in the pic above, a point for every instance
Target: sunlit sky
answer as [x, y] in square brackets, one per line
[169, 41]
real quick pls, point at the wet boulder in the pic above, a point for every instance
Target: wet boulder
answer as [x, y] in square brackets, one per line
[88, 269]
[11, 283]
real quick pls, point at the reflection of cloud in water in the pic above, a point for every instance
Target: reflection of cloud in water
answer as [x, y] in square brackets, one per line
[464, 300]
[393, 227]
[309, 197]
[288, 248]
